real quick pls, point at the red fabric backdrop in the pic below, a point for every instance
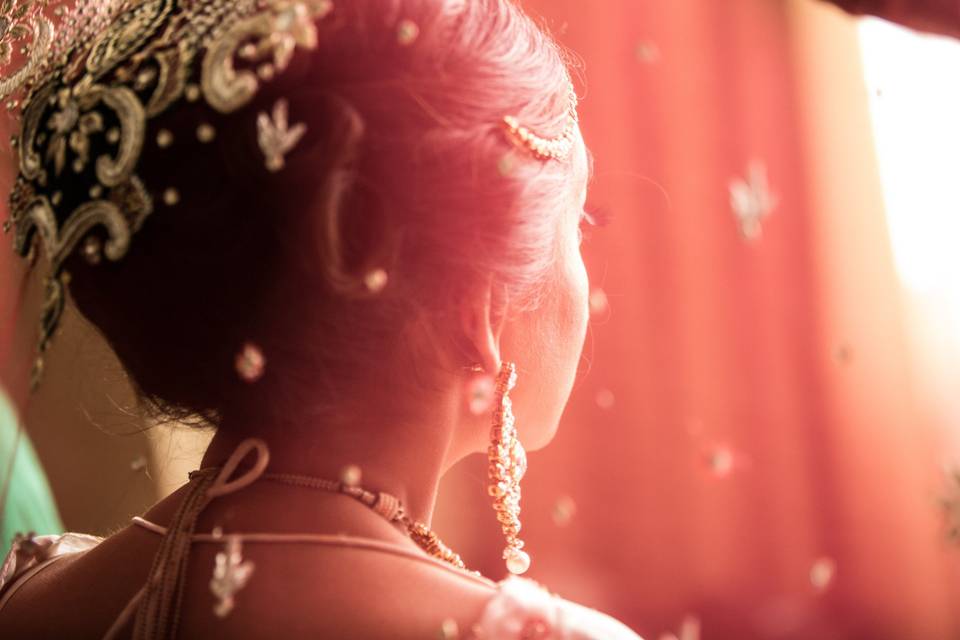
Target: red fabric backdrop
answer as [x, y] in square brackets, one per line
[742, 445]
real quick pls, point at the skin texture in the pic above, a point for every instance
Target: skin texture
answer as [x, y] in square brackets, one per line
[545, 345]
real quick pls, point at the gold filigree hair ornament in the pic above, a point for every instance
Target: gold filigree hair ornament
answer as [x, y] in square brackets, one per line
[86, 86]
[26, 36]
[85, 97]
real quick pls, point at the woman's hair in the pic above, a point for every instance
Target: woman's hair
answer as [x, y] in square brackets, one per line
[404, 167]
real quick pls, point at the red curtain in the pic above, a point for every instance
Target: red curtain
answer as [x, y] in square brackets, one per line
[742, 447]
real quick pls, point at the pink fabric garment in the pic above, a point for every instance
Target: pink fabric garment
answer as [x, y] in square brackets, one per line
[524, 609]
[29, 554]
[521, 609]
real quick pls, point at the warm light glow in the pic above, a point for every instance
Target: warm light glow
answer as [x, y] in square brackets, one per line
[914, 85]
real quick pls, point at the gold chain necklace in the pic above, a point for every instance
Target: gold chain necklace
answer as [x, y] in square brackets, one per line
[385, 504]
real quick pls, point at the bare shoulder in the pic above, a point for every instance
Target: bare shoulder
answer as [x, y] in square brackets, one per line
[304, 591]
[294, 591]
[77, 591]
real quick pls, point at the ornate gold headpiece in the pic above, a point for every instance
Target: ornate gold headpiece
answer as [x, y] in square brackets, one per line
[86, 89]
[85, 97]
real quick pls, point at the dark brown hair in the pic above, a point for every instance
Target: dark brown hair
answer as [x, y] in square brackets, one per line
[404, 167]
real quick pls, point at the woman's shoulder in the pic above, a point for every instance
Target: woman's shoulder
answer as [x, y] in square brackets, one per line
[522, 608]
[29, 554]
[513, 608]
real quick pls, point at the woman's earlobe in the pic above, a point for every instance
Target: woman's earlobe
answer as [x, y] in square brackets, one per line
[479, 390]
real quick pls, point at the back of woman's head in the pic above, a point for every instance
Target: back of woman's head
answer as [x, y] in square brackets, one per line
[403, 171]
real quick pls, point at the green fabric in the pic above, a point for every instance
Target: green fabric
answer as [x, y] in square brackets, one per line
[29, 504]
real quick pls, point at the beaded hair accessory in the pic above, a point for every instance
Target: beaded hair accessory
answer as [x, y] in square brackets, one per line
[86, 88]
[558, 148]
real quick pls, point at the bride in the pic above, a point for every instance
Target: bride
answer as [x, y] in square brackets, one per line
[346, 234]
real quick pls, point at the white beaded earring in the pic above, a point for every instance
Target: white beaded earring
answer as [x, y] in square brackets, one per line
[508, 463]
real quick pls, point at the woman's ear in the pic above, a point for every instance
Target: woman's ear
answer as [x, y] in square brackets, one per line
[482, 315]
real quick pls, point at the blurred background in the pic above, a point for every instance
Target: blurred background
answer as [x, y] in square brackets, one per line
[764, 440]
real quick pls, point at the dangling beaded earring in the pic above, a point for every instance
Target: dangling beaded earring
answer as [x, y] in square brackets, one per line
[508, 463]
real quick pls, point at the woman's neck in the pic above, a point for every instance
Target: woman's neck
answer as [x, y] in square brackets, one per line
[405, 461]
